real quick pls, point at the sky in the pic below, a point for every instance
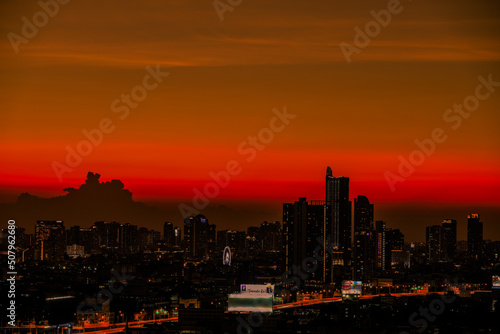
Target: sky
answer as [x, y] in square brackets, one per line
[228, 79]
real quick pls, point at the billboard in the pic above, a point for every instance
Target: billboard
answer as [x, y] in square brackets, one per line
[257, 288]
[250, 302]
[495, 284]
[352, 288]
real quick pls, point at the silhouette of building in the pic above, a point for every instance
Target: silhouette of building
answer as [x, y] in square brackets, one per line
[474, 236]
[50, 243]
[107, 234]
[338, 217]
[395, 239]
[387, 241]
[363, 214]
[146, 238]
[270, 236]
[88, 239]
[252, 241]
[433, 243]
[171, 235]
[128, 238]
[73, 235]
[199, 237]
[364, 239]
[302, 227]
[177, 237]
[381, 257]
[448, 239]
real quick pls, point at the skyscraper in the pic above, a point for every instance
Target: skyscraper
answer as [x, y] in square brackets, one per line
[128, 238]
[107, 234]
[50, 243]
[381, 257]
[448, 239]
[433, 243]
[199, 237]
[177, 236]
[395, 239]
[302, 226]
[474, 236]
[169, 234]
[364, 239]
[338, 219]
[387, 241]
[364, 254]
[73, 236]
[363, 214]
[270, 236]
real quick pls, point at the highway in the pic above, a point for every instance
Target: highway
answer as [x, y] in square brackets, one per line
[98, 328]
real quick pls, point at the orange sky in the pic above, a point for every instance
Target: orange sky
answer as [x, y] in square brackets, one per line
[225, 78]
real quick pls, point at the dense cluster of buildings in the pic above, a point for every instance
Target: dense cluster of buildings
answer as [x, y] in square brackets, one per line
[320, 243]
[442, 245]
[353, 244]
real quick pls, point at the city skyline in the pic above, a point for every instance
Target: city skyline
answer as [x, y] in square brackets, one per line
[198, 93]
[250, 166]
[227, 221]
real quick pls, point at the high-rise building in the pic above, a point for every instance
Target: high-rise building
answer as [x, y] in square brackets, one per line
[363, 214]
[73, 236]
[433, 243]
[448, 239]
[381, 256]
[252, 241]
[212, 240]
[50, 243]
[199, 237]
[107, 234]
[88, 239]
[364, 254]
[387, 241]
[395, 239]
[270, 236]
[144, 238]
[364, 239]
[177, 237]
[128, 238]
[302, 227]
[474, 236]
[169, 234]
[338, 218]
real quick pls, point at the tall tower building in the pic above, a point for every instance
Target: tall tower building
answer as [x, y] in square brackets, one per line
[128, 238]
[199, 237]
[302, 227]
[474, 236]
[381, 257]
[364, 239]
[107, 234]
[448, 239]
[177, 237]
[363, 214]
[387, 242]
[169, 234]
[270, 236]
[433, 243]
[50, 243]
[338, 218]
